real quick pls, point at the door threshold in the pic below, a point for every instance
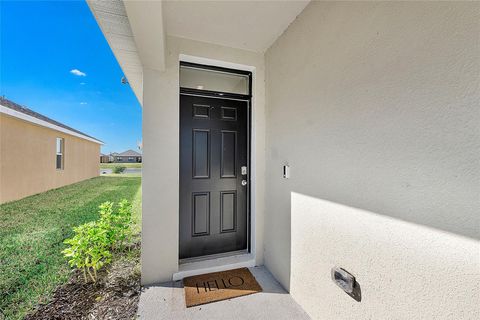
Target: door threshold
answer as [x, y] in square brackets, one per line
[213, 256]
[214, 263]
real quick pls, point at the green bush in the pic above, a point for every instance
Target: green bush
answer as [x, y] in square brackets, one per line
[91, 247]
[118, 169]
[119, 222]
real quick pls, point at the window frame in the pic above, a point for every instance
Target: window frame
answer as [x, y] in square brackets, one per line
[217, 94]
[60, 153]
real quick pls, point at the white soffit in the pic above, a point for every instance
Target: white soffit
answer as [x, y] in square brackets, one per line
[146, 22]
[249, 25]
[112, 18]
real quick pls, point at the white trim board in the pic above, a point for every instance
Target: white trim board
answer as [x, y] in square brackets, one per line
[214, 62]
[43, 123]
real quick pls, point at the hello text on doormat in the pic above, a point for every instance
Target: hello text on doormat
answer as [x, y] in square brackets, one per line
[218, 286]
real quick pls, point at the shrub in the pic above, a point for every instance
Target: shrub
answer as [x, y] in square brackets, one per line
[118, 169]
[91, 247]
[119, 222]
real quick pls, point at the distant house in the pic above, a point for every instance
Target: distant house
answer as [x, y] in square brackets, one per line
[104, 158]
[111, 156]
[129, 156]
[38, 154]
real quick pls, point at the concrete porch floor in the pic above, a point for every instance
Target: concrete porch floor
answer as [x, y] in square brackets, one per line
[166, 301]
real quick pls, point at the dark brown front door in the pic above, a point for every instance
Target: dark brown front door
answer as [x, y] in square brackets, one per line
[213, 189]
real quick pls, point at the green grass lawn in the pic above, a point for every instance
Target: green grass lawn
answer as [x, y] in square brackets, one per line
[126, 165]
[32, 231]
[121, 175]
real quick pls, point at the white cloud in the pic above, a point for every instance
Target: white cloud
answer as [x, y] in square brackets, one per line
[82, 83]
[78, 73]
[83, 103]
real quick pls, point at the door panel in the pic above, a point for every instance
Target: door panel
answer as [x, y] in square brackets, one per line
[228, 210]
[213, 201]
[228, 156]
[201, 213]
[201, 153]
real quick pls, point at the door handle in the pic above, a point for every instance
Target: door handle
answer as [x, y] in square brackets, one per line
[244, 183]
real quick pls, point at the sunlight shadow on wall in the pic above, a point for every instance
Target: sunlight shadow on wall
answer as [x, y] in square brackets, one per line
[399, 264]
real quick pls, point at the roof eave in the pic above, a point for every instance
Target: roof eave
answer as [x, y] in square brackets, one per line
[113, 22]
[127, 27]
[43, 123]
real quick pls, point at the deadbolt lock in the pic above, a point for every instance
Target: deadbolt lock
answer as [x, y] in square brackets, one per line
[244, 182]
[244, 170]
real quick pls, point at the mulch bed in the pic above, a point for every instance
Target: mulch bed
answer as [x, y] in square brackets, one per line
[115, 295]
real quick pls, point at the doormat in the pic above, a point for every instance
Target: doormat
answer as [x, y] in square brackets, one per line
[217, 286]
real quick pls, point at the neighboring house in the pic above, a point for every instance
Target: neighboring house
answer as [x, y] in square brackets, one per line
[129, 156]
[111, 156]
[39, 154]
[302, 136]
[104, 158]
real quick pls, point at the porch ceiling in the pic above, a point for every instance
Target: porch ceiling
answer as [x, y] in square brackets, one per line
[136, 30]
[248, 25]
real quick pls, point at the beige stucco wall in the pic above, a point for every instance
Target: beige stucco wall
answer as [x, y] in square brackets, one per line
[375, 106]
[160, 182]
[27, 159]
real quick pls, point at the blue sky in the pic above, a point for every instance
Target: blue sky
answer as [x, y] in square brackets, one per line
[41, 43]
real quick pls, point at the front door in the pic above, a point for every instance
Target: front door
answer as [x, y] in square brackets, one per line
[213, 175]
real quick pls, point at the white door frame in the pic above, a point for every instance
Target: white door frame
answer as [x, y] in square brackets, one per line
[229, 261]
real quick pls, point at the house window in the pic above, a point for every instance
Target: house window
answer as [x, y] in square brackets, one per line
[130, 159]
[119, 158]
[60, 153]
[221, 80]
